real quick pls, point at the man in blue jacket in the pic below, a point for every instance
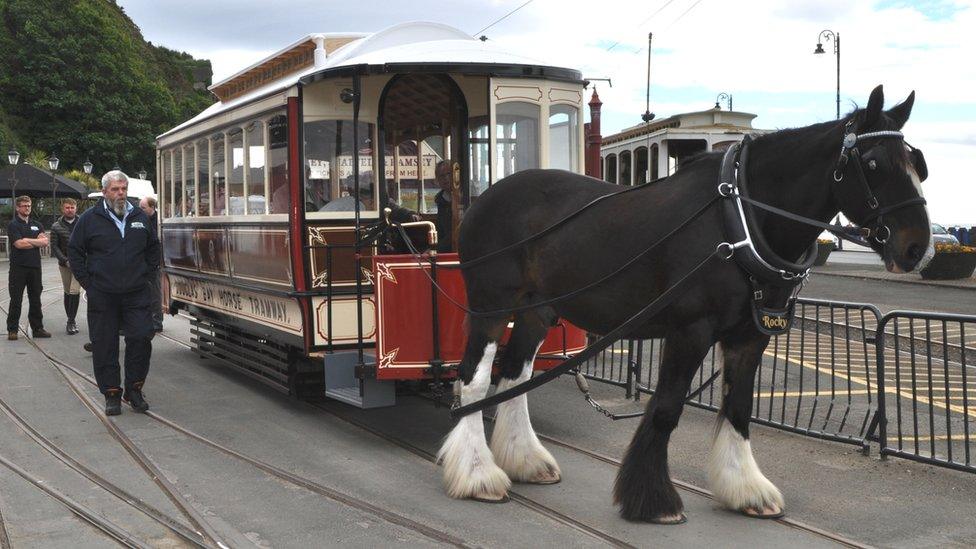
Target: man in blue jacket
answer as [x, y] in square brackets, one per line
[113, 253]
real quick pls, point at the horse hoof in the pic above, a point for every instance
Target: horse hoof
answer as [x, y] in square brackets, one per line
[545, 478]
[667, 520]
[764, 513]
[489, 499]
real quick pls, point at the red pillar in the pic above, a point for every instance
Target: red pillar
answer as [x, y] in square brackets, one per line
[594, 139]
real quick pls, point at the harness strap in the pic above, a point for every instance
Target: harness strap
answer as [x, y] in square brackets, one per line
[592, 350]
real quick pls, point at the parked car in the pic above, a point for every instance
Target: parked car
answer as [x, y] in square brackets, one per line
[941, 236]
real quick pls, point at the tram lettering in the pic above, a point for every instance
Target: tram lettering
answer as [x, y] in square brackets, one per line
[268, 308]
[229, 298]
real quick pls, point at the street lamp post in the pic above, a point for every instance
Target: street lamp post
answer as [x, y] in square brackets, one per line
[722, 96]
[827, 35]
[88, 166]
[52, 163]
[142, 174]
[13, 157]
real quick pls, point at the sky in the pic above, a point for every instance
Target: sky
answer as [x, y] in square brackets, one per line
[758, 51]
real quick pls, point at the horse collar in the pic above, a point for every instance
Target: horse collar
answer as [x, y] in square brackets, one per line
[748, 245]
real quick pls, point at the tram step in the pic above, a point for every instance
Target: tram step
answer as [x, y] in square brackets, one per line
[342, 384]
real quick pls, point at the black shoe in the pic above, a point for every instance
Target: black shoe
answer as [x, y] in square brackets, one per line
[88, 346]
[71, 327]
[113, 402]
[133, 397]
[41, 332]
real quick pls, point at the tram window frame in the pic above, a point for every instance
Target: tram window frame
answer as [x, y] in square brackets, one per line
[219, 179]
[202, 170]
[252, 134]
[166, 176]
[568, 128]
[176, 190]
[230, 167]
[514, 150]
[334, 160]
[190, 197]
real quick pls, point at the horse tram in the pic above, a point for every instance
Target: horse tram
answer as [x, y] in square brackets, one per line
[287, 208]
[268, 198]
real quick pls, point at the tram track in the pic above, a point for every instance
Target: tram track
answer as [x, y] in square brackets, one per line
[523, 500]
[203, 536]
[348, 500]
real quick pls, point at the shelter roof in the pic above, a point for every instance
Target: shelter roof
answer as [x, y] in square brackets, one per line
[25, 179]
[708, 120]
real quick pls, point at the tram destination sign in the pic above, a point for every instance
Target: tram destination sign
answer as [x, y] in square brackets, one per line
[278, 312]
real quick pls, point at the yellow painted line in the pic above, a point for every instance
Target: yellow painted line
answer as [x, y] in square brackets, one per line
[823, 393]
[889, 390]
[893, 440]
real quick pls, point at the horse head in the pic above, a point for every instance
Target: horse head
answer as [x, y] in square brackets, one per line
[878, 180]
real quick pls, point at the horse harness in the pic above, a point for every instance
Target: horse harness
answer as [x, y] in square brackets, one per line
[776, 282]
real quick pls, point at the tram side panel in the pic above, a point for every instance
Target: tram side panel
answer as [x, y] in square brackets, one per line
[405, 323]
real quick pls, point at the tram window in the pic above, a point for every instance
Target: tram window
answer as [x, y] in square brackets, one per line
[479, 166]
[278, 164]
[517, 137]
[177, 190]
[432, 153]
[167, 159]
[329, 181]
[235, 175]
[219, 176]
[189, 181]
[203, 176]
[255, 168]
[563, 137]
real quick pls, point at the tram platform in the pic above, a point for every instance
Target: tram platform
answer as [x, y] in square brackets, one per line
[365, 478]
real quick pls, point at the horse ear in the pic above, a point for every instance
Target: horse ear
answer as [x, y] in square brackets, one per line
[900, 112]
[875, 103]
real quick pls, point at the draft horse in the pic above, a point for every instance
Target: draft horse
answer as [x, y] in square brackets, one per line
[875, 182]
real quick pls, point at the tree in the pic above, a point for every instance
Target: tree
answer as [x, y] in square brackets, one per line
[79, 79]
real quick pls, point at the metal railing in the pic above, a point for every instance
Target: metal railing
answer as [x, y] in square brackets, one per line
[926, 387]
[844, 372]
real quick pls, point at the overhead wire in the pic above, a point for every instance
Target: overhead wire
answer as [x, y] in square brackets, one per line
[502, 18]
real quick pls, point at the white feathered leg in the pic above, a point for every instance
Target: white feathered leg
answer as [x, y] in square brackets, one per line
[516, 447]
[469, 469]
[736, 479]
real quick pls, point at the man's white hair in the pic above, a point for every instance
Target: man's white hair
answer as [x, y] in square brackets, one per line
[114, 175]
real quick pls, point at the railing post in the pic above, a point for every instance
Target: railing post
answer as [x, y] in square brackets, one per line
[882, 413]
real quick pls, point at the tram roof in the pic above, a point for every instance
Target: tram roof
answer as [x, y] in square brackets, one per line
[414, 46]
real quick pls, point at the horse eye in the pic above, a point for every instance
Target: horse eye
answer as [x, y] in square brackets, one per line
[872, 164]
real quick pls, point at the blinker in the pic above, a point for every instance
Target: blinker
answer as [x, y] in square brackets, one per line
[918, 162]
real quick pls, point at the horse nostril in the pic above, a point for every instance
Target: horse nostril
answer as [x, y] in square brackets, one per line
[915, 252]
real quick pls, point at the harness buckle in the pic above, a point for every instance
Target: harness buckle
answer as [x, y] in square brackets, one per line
[726, 189]
[728, 255]
[873, 203]
[757, 295]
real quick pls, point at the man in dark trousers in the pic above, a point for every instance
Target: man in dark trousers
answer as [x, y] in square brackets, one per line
[26, 237]
[60, 235]
[148, 206]
[113, 253]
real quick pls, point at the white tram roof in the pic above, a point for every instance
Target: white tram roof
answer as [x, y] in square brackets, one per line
[406, 43]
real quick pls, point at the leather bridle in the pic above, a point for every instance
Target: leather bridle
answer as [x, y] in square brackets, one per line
[872, 225]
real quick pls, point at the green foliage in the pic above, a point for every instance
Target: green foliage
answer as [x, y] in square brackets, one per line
[79, 80]
[90, 182]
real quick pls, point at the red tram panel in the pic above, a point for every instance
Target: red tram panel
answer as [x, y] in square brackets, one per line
[404, 342]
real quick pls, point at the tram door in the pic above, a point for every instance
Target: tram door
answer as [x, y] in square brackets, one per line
[423, 127]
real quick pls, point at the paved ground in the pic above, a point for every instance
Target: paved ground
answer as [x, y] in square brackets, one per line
[827, 485]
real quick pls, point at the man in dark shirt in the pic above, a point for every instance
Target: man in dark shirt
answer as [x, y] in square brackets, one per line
[445, 216]
[26, 237]
[113, 253]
